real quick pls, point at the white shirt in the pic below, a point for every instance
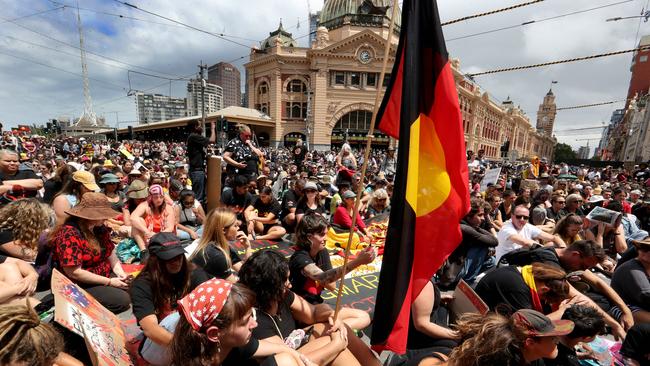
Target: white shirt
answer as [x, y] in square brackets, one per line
[506, 245]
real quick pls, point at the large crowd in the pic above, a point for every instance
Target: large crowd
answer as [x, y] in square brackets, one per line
[560, 254]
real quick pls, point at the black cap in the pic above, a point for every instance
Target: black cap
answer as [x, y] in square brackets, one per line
[165, 246]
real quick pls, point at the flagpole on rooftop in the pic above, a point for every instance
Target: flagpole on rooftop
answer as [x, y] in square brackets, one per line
[364, 166]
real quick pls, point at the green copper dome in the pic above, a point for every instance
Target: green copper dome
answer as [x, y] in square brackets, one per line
[284, 37]
[359, 12]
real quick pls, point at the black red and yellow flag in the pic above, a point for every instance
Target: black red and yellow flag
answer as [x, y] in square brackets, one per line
[431, 193]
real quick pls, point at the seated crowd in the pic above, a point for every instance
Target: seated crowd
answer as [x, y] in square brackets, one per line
[552, 278]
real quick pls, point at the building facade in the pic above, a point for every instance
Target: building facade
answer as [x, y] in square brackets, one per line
[640, 69]
[546, 114]
[158, 107]
[213, 98]
[325, 93]
[228, 78]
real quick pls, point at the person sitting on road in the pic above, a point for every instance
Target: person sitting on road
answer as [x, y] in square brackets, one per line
[262, 217]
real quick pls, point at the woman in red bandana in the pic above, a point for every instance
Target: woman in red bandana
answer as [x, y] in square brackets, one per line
[215, 328]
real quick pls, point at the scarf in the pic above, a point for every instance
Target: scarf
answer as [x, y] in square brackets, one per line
[529, 279]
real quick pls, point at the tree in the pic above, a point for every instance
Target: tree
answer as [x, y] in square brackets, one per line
[563, 153]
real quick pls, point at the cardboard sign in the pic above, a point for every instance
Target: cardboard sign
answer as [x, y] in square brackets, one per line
[78, 311]
[466, 301]
[358, 293]
[531, 184]
[490, 176]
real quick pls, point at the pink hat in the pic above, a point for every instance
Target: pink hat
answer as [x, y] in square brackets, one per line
[156, 189]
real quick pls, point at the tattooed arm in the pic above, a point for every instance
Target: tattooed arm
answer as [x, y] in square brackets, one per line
[313, 272]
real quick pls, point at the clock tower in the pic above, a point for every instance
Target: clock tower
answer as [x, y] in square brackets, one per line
[546, 114]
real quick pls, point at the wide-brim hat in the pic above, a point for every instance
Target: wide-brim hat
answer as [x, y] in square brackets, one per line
[85, 178]
[137, 189]
[644, 242]
[93, 206]
[109, 178]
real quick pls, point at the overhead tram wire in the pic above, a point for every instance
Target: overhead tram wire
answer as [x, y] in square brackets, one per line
[59, 69]
[538, 21]
[576, 59]
[181, 23]
[141, 20]
[489, 12]
[590, 105]
[31, 15]
[87, 51]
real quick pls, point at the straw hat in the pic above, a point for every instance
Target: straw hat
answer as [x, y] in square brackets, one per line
[109, 164]
[85, 178]
[93, 206]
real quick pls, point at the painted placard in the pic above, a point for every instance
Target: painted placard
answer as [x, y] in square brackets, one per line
[490, 176]
[79, 312]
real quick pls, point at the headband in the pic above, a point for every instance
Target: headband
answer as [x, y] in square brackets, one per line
[203, 305]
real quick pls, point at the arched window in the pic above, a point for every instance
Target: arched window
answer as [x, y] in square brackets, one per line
[296, 86]
[355, 121]
[262, 98]
[295, 100]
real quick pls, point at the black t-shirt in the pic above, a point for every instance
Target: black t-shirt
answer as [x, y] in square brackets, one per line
[304, 286]
[142, 298]
[289, 201]
[263, 210]
[196, 151]
[51, 187]
[239, 202]
[268, 325]
[214, 262]
[303, 209]
[526, 256]
[242, 356]
[505, 285]
[299, 155]
[565, 357]
[6, 236]
[21, 174]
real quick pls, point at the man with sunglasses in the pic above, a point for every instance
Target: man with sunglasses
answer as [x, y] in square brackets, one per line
[519, 233]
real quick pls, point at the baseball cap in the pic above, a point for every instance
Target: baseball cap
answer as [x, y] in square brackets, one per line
[310, 185]
[165, 246]
[349, 194]
[536, 324]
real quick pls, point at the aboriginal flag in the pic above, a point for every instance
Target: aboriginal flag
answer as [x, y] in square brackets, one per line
[431, 193]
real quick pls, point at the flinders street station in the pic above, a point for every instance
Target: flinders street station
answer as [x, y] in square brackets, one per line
[325, 93]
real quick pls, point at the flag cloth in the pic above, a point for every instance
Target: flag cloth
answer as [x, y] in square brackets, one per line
[431, 192]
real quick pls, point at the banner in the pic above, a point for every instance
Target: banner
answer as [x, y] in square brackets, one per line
[78, 311]
[490, 176]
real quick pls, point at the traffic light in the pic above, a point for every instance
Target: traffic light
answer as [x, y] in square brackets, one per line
[223, 124]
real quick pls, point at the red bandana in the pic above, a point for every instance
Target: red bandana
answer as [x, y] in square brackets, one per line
[202, 306]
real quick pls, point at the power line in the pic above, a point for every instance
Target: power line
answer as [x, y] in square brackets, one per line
[77, 47]
[517, 68]
[537, 21]
[489, 12]
[59, 69]
[590, 105]
[181, 23]
[31, 15]
[144, 20]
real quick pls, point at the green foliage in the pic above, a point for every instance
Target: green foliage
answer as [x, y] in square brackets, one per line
[563, 153]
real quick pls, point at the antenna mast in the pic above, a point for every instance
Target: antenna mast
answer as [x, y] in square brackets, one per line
[88, 117]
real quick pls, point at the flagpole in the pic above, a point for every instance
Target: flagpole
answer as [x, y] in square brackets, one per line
[364, 166]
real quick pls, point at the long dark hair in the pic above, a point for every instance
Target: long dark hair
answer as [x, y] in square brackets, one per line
[265, 272]
[193, 348]
[166, 287]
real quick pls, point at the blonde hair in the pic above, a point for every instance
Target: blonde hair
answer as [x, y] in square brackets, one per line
[378, 194]
[243, 128]
[27, 219]
[214, 232]
[25, 339]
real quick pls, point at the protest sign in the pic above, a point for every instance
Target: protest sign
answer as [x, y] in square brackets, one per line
[490, 176]
[466, 301]
[79, 312]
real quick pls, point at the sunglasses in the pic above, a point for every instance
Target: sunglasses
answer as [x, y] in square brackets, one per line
[561, 202]
[522, 217]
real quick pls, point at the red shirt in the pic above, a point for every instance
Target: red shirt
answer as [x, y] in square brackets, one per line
[72, 249]
[343, 219]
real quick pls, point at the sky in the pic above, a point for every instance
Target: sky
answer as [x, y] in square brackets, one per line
[40, 74]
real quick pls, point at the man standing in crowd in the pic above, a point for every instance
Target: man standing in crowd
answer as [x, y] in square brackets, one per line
[196, 144]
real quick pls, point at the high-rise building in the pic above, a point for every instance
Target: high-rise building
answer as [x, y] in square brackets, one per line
[158, 107]
[583, 152]
[313, 26]
[213, 98]
[227, 77]
[640, 80]
[546, 114]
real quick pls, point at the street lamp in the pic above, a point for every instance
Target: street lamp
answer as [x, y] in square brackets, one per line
[645, 16]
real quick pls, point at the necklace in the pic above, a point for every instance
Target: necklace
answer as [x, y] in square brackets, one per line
[272, 317]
